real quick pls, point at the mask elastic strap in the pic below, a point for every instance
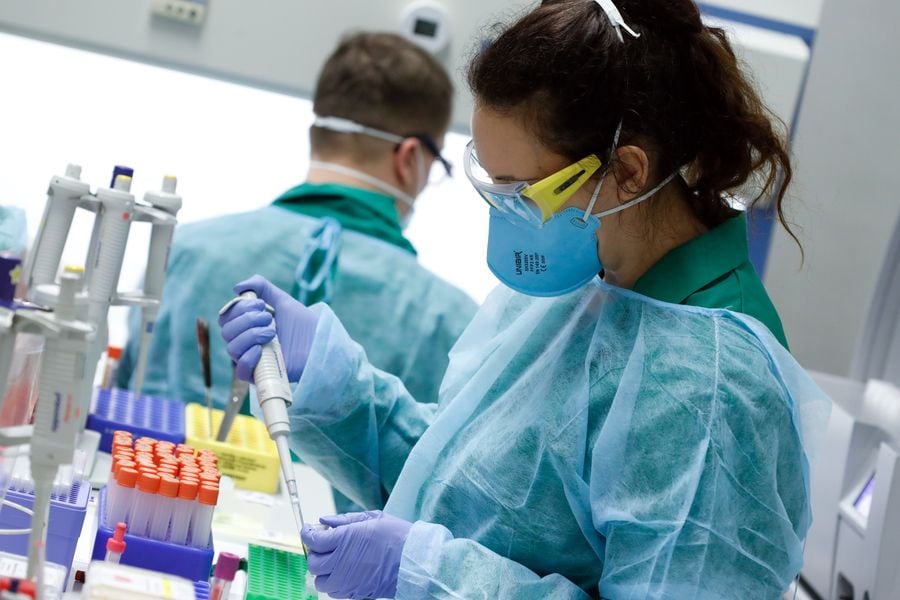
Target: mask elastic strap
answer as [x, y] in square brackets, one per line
[341, 125]
[615, 17]
[637, 200]
[373, 181]
[596, 194]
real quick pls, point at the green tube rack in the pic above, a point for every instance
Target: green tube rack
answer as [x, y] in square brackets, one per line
[274, 574]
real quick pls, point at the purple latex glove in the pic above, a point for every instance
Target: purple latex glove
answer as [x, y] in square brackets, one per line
[359, 557]
[247, 326]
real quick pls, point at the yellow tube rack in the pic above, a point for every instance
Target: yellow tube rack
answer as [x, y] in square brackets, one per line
[248, 456]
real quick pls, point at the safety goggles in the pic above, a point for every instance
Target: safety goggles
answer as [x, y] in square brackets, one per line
[341, 125]
[533, 202]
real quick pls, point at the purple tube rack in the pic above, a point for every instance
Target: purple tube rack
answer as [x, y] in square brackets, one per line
[150, 416]
[165, 557]
[63, 529]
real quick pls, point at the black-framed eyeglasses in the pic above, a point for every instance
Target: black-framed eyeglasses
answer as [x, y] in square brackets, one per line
[432, 147]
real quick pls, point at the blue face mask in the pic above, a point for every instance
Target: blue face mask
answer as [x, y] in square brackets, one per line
[557, 258]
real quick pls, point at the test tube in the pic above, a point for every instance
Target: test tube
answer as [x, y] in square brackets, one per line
[182, 511]
[226, 567]
[201, 520]
[144, 504]
[168, 492]
[120, 495]
[115, 545]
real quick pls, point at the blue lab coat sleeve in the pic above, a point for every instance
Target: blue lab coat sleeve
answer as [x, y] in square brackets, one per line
[353, 423]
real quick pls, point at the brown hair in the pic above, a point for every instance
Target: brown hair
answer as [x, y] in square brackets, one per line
[677, 89]
[383, 81]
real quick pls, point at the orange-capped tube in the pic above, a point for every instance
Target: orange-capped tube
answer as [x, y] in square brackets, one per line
[120, 494]
[201, 521]
[182, 511]
[144, 504]
[165, 503]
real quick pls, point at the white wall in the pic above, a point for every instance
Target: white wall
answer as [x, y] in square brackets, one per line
[846, 199]
[233, 148]
[273, 44]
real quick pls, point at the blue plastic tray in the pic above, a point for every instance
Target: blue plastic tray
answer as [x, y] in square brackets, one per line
[165, 557]
[64, 528]
[150, 416]
[201, 590]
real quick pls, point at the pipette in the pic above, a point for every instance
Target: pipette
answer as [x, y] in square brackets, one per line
[203, 345]
[165, 205]
[274, 393]
[239, 390]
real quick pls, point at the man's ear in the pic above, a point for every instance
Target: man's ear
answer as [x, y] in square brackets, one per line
[405, 166]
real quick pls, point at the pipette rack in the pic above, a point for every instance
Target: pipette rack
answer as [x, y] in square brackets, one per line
[274, 574]
[64, 526]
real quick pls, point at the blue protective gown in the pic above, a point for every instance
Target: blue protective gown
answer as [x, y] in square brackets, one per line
[600, 444]
[407, 317]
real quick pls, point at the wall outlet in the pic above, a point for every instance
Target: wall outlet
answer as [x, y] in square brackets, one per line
[186, 11]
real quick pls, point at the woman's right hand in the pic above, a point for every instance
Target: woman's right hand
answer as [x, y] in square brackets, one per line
[247, 326]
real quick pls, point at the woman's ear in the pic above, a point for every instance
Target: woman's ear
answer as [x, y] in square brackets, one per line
[631, 170]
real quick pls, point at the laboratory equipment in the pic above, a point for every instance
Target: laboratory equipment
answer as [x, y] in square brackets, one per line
[75, 330]
[64, 383]
[274, 393]
[115, 545]
[67, 513]
[145, 501]
[181, 513]
[64, 196]
[152, 416]
[113, 580]
[170, 512]
[274, 574]
[22, 385]
[201, 518]
[248, 455]
[121, 491]
[13, 567]
[226, 568]
[162, 210]
[855, 487]
[165, 503]
[110, 367]
[164, 556]
[239, 390]
[203, 346]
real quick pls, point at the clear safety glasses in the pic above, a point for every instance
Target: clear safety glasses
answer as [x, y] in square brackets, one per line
[533, 202]
[441, 169]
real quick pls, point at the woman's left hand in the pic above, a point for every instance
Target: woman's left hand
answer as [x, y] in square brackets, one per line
[359, 557]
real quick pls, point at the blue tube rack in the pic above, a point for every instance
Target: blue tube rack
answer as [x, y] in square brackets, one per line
[149, 416]
[165, 557]
[201, 590]
[63, 528]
